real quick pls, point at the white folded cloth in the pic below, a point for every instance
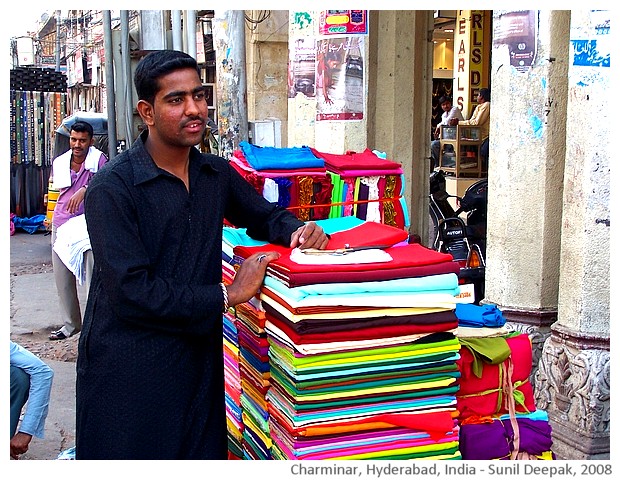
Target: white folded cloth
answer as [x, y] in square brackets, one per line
[372, 255]
[271, 190]
[71, 242]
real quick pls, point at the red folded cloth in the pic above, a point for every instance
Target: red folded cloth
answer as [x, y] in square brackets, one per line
[370, 333]
[371, 274]
[366, 234]
[365, 160]
[485, 396]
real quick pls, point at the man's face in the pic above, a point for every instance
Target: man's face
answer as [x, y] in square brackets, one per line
[79, 143]
[180, 109]
[446, 106]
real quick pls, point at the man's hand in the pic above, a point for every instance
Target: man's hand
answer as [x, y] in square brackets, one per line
[309, 235]
[19, 444]
[249, 277]
[76, 200]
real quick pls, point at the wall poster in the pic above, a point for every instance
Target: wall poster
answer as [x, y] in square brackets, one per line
[301, 67]
[517, 30]
[591, 47]
[343, 22]
[340, 78]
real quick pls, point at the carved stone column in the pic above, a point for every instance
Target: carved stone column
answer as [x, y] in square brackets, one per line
[573, 385]
[537, 324]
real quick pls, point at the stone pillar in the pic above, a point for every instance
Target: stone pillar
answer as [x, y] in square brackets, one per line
[526, 167]
[232, 105]
[152, 29]
[573, 381]
[399, 100]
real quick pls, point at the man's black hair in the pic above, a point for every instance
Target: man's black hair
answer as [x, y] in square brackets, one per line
[157, 64]
[443, 99]
[81, 126]
[485, 93]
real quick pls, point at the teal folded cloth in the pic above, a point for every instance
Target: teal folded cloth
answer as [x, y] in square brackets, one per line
[239, 236]
[470, 315]
[272, 158]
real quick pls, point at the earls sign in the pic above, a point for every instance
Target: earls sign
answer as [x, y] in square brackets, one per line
[471, 61]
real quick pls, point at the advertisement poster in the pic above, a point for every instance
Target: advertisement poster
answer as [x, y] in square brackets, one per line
[343, 22]
[518, 31]
[591, 45]
[340, 78]
[301, 67]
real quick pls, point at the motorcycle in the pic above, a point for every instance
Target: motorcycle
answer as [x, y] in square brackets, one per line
[464, 239]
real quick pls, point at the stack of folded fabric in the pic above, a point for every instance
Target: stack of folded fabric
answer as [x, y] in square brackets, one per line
[497, 414]
[366, 185]
[247, 375]
[363, 365]
[407, 260]
[254, 369]
[317, 185]
[250, 380]
[232, 379]
[232, 374]
[293, 178]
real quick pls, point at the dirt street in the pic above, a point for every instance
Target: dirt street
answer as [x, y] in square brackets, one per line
[31, 254]
[34, 312]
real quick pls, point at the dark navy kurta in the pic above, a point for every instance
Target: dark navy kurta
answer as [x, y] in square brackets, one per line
[150, 374]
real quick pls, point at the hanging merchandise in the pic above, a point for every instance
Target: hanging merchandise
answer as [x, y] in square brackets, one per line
[316, 185]
[34, 116]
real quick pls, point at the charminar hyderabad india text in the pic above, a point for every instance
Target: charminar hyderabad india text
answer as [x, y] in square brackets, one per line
[449, 469]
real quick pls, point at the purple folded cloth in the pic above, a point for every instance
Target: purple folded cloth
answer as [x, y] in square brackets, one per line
[489, 441]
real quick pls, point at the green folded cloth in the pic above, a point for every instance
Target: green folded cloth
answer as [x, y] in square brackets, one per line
[492, 350]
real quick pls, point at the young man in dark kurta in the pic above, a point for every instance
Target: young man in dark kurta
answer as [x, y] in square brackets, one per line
[150, 373]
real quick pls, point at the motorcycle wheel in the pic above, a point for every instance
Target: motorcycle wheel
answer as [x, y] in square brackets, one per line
[433, 232]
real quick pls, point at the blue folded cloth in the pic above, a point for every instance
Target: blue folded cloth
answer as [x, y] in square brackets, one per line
[470, 315]
[272, 158]
[30, 224]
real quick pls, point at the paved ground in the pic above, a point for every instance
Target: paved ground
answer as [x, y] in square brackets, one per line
[34, 313]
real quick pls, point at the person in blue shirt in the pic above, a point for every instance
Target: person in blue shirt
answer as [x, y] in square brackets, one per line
[31, 382]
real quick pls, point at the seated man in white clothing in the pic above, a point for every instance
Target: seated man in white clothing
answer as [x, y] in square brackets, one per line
[449, 112]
